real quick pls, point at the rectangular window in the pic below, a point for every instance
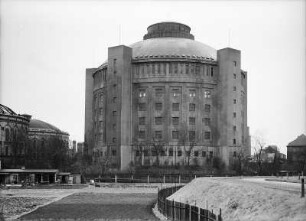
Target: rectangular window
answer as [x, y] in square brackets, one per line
[191, 135]
[203, 153]
[158, 120]
[191, 107]
[196, 153]
[234, 115]
[191, 120]
[175, 134]
[234, 141]
[207, 108]
[175, 106]
[146, 153]
[163, 153]
[192, 92]
[142, 93]
[114, 140]
[142, 106]
[158, 134]
[235, 63]
[114, 99]
[137, 153]
[235, 101]
[114, 113]
[234, 88]
[207, 94]
[142, 134]
[175, 68]
[170, 152]
[211, 154]
[114, 126]
[115, 66]
[207, 135]
[159, 92]
[175, 120]
[211, 71]
[176, 92]
[187, 68]
[142, 120]
[235, 76]
[207, 121]
[179, 153]
[234, 154]
[158, 106]
[154, 153]
[234, 128]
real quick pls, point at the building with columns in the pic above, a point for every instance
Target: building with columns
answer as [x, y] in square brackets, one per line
[166, 100]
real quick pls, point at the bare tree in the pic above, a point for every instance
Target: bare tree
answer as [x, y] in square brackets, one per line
[187, 142]
[158, 148]
[258, 146]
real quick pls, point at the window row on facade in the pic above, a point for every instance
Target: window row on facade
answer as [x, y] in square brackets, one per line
[175, 107]
[158, 134]
[175, 92]
[174, 68]
[171, 153]
[174, 120]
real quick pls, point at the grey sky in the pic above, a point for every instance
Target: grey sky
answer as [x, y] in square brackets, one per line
[47, 45]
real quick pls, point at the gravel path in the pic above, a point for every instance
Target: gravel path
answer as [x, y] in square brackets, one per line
[94, 205]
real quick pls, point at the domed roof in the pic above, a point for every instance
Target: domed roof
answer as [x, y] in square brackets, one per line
[41, 125]
[169, 46]
[170, 40]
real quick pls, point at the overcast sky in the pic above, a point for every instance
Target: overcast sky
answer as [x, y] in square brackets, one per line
[47, 45]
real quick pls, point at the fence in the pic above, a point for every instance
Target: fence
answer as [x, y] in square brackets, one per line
[143, 178]
[181, 211]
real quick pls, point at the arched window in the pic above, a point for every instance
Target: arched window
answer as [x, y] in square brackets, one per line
[7, 134]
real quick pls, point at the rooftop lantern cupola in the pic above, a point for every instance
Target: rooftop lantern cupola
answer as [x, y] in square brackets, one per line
[168, 30]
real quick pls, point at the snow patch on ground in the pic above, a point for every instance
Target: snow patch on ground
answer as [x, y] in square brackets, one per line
[242, 199]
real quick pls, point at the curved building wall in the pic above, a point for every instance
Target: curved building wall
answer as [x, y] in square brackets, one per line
[13, 138]
[194, 101]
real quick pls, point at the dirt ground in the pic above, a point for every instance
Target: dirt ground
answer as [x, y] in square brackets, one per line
[135, 200]
[93, 205]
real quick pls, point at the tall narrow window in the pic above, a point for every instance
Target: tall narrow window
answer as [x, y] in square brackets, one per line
[158, 120]
[176, 92]
[191, 120]
[175, 135]
[234, 141]
[142, 134]
[234, 115]
[142, 106]
[211, 71]
[142, 120]
[235, 63]
[235, 101]
[175, 120]
[207, 93]
[207, 135]
[158, 134]
[234, 88]
[115, 66]
[192, 92]
[207, 108]
[191, 107]
[206, 121]
[191, 135]
[175, 106]
[159, 92]
[142, 92]
[158, 106]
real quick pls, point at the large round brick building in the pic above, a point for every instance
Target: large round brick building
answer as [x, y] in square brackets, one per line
[167, 100]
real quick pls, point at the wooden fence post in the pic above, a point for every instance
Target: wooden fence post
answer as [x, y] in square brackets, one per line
[189, 212]
[302, 188]
[173, 210]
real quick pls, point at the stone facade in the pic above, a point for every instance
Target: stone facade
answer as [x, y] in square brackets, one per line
[167, 100]
[13, 137]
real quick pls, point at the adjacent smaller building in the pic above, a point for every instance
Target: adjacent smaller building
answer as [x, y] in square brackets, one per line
[296, 153]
